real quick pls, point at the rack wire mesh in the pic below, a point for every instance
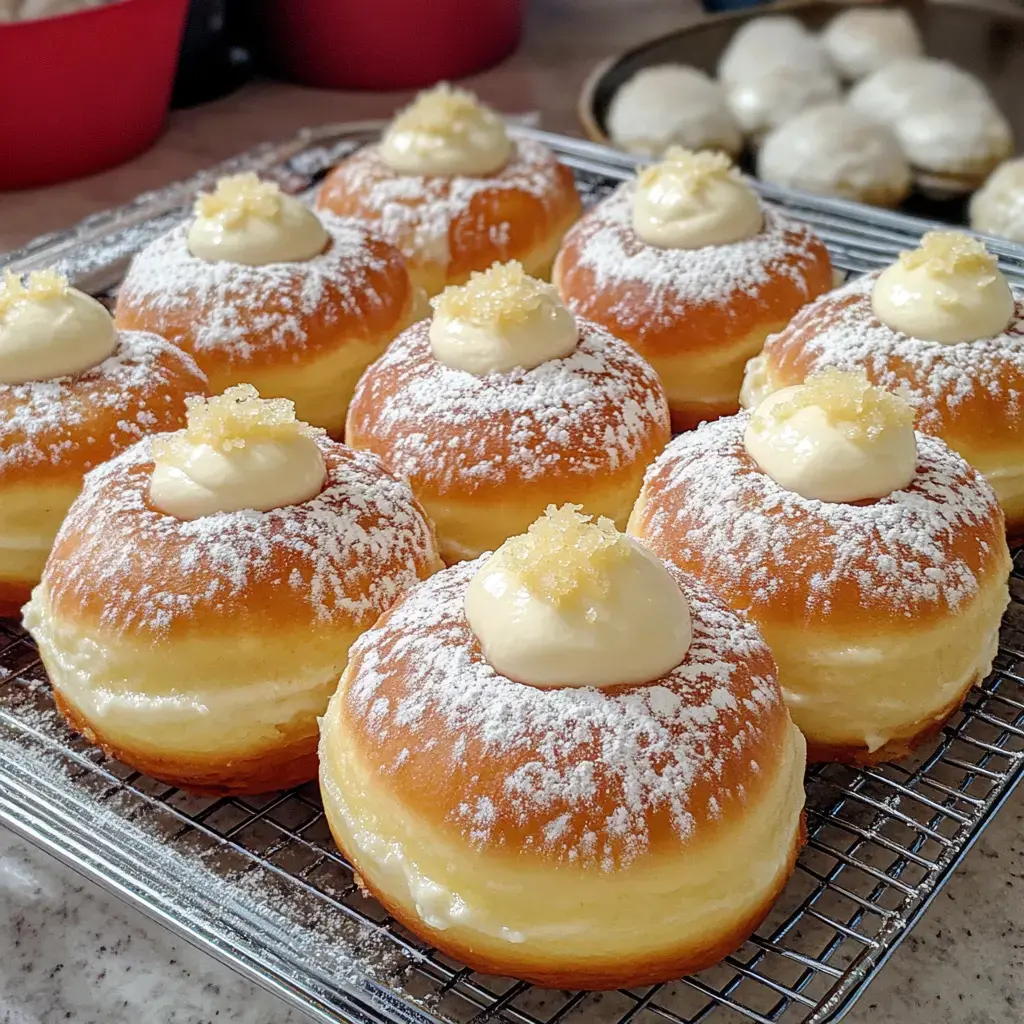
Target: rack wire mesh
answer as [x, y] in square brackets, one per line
[259, 883]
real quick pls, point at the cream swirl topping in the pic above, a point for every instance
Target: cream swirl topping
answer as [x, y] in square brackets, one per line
[446, 132]
[499, 320]
[249, 221]
[691, 200]
[948, 290]
[573, 602]
[834, 438]
[48, 329]
[239, 451]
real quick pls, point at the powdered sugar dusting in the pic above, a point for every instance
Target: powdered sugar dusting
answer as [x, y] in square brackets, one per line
[708, 504]
[345, 554]
[842, 330]
[416, 213]
[674, 281]
[581, 772]
[241, 310]
[595, 409]
[139, 389]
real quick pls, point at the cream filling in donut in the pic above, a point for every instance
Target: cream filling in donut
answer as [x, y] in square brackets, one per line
[757, 385]
[490, 899]
[183, 712]
[864, 692]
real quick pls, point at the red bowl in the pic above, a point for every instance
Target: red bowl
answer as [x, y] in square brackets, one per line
[387, 44]
[86, 90]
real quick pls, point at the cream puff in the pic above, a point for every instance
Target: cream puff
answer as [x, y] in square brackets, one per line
[200, 600]
[261, 290]
[997, 208]
[449, 187]
[942, 324]
[505, 403]
[860, 40]
[835, 150]
[74, 391]
[691, 269]
[566, 762]
[871, 557]
[947, 124]
[672, 105]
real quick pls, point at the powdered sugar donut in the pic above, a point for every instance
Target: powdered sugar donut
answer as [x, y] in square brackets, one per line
[572, 836]
[835, 150]
[862, 40]
[671, 104]
[881, 614]
[997, 208]
[762, 42]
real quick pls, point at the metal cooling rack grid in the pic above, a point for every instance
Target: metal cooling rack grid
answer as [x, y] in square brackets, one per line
[881, 841]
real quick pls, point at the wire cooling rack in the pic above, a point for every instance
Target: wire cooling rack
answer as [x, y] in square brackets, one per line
[258, 882]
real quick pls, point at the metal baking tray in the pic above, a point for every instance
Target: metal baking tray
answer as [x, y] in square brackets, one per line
[985, 37]
[258, 883]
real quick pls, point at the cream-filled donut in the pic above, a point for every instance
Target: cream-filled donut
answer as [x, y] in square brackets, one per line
[872, 558]
[454, 192]
[262, 290]
[943, 325]
[672, 105]
[835, 150]
[504, 403]
[567, 809]
[861, 40]
[997, 208]
[762, 42]
[202, 594]
[691, 269]
[74, 391]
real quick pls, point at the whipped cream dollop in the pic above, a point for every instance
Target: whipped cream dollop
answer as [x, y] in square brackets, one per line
[949, 290]
[835, 438]
[499, 320]
[446, 132]
[690, 200]
[573, 602]
[239, 451]
[246, 220]
[48, 329]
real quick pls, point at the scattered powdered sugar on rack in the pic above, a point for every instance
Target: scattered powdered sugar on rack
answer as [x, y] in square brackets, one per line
[841, 330]
[591, 411]
[416, 213]
[706, 503]
[45, 422]
[242, 310]
[674, 281]
[581, 771]
[352, 549]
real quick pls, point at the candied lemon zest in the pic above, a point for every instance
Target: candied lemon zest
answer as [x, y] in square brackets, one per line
[239, 196]
[232, 420]
[565, 555]
[693, 170]
[443, 110]
[501, 296]
[42, 285]
[943, 253]
[850, 402]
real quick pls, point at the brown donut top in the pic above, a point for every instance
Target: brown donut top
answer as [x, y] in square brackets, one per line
[915, 553]
[340, 558]
[60, 428]
[590, 777]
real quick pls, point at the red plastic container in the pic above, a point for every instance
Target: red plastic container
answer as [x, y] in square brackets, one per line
[85, 91]
[387, 44]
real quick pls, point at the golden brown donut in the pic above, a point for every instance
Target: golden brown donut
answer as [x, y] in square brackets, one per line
[881, 615]
[697, 315]
[52, 432]
[573, 837]
[486, 455]
[447, 227]
[970, 394]
[202, 652]
[304, 330]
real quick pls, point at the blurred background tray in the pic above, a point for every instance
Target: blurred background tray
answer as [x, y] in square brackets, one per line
[259, 883]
